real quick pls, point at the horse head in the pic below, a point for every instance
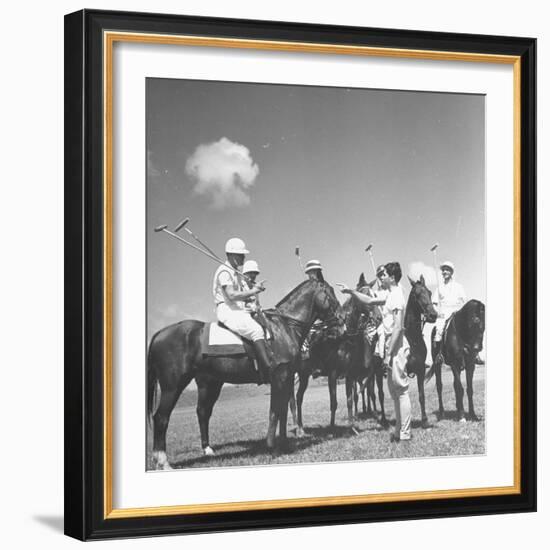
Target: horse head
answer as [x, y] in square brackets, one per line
[472, 324]
[327, 307]
[310, 300]
[423, 298]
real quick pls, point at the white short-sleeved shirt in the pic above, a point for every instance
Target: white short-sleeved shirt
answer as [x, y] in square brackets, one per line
[450, 297]
[395, 300]
[225, 276]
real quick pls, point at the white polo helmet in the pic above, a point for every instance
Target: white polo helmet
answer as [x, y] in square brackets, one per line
[235, 246]
[313, 264]
[250, 266]
[448, 264]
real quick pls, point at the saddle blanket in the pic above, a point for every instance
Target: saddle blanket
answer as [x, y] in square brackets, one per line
[217, 341]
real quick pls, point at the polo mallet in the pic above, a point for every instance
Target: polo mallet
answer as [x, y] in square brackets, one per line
[297, 252]
[371, 256]
[433, 250]
[213, 257]
[183, 225]
[369, 250]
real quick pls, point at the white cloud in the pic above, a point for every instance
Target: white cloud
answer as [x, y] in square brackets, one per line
[224, 172]
[420, 268]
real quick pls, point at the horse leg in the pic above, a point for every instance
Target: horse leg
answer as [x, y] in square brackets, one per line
[421, 396]
[470, 368]
[355, 401]
[278, 405]
[161, 418]
[350, 391]
[332, 383]
[365, 389]
[459, 394]
[304, 381]
[287, 391]
[208, 393]
[292, 407]
[439, 386]
[379, 373]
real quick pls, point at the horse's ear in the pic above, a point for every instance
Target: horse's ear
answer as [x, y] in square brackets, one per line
[362, 281]
[422, 280]
[410, 280]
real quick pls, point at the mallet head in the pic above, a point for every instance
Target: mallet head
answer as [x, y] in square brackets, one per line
[297, 251]
[181, 225]
[160, 228]
[369, 247]
[432, 249]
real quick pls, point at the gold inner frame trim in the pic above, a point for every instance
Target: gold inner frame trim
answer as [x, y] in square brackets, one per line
[109, 39]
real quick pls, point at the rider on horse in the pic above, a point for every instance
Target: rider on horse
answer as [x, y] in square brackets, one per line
[448, 298]
[230, 295]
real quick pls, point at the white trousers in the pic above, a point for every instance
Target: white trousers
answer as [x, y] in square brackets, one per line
[398, 384]
[239, 321]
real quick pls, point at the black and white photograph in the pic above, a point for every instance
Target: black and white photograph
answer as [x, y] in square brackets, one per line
[316, 274]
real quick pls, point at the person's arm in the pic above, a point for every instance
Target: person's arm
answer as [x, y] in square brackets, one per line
[362, 298]
[239, 295]
[397, 333]
[226, 282]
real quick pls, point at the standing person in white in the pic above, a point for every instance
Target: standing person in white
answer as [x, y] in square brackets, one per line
[448, 298]
[230, 295]
[397, 347]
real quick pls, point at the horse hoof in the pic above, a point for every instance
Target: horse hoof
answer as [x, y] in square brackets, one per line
[474, 418]
[208, 451]
[462, 419]
[160, 461]
[300, 432]
[426, 425]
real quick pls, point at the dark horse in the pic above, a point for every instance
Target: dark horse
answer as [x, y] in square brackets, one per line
[348, 356]
[462, 341]
[175, 358]
[420, 309]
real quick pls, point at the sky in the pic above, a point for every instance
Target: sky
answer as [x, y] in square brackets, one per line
[327, 169]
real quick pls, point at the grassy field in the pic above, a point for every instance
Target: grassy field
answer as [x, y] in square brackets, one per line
[239, 423]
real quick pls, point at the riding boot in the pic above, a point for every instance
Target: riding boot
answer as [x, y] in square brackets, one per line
[265, 363]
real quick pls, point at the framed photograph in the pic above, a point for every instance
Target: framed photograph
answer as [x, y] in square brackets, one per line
[300, 274]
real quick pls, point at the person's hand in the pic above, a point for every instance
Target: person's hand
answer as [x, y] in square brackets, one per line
[344, 289]
[259, 286]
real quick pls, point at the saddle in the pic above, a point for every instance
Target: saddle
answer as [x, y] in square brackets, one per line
[220, 341]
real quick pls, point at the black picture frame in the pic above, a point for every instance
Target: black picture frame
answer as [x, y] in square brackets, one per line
[85, 497]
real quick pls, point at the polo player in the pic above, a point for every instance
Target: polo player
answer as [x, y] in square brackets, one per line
[314, 270]
[230, 295]
[448, 298]
[251, 270]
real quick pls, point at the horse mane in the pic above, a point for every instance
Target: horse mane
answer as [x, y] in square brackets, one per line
[292, 292]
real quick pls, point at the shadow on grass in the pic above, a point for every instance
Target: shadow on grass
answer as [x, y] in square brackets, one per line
[258, 447]
[453, 415]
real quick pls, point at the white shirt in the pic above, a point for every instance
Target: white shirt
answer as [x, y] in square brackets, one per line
[226, 276]
[450, 297]
[395, 300]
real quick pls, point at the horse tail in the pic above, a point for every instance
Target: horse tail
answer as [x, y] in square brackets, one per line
[152, 382]
[430, 373]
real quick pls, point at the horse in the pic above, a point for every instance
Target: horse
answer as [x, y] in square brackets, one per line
[175, 358]
[419, 308]
[462, 341]
[348, 356]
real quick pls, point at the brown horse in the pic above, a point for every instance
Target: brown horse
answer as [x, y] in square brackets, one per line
[348, 356]
[462, 341]
[176, 357]
[419, 309]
